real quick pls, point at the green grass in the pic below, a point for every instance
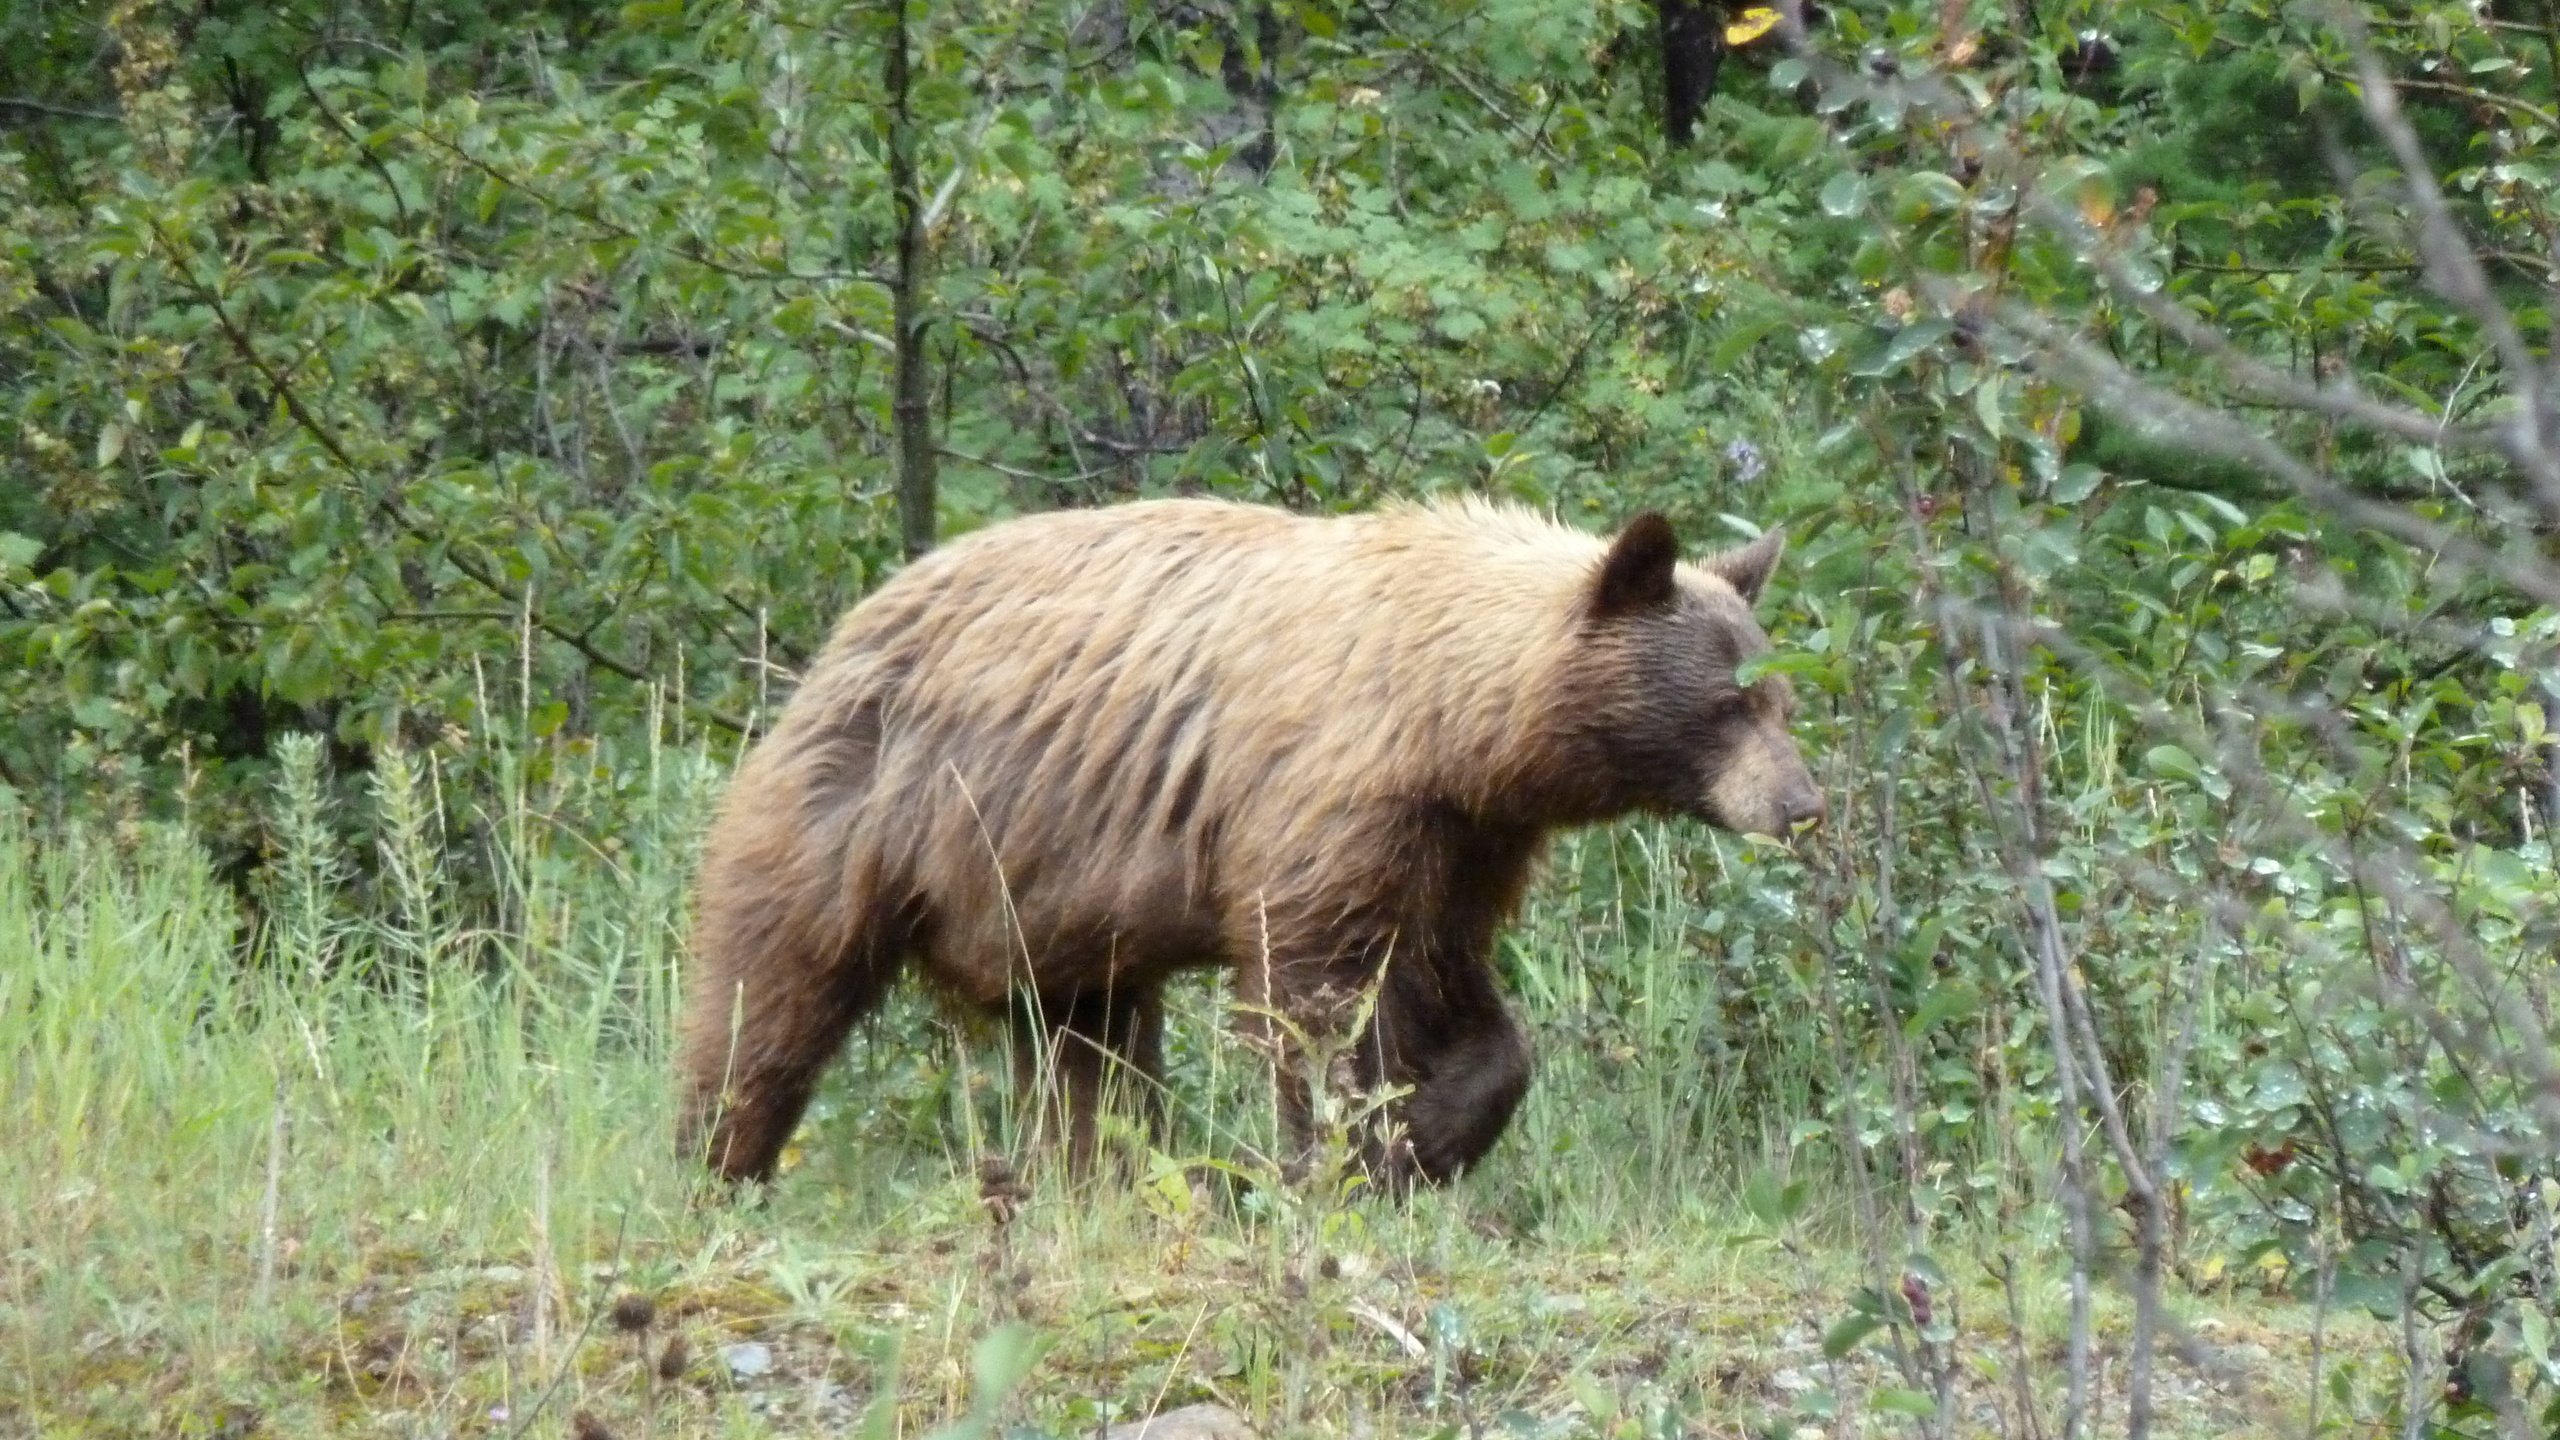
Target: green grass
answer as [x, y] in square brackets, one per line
[384, 1166]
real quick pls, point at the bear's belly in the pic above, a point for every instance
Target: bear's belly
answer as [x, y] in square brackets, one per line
[1095, 922]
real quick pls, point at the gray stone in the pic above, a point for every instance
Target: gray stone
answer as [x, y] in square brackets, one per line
[1191, 1422]
[747, 1360]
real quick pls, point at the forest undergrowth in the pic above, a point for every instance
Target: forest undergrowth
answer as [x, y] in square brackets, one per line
[379, 1166]
[432, 436]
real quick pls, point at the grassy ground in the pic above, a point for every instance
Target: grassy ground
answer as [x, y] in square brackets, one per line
[408, 1174]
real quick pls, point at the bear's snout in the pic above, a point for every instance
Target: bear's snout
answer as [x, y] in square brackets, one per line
[1801, 804]
[1764, 788]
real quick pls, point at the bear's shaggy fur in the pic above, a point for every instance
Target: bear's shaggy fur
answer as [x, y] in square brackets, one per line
[1071, 754]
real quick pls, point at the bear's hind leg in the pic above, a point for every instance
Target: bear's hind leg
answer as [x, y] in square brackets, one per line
[1083, 1053]
[771, 1002]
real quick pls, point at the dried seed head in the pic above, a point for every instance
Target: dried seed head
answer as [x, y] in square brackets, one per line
[999, 1189]
[673, 1360]
[634, 1312]
[585, 1426]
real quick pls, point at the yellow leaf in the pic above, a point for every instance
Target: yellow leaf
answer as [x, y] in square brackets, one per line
[1751, 24]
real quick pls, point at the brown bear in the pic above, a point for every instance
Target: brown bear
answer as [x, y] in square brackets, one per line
[1072, 754]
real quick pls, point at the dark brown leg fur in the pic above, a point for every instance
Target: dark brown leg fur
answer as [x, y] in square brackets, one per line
[1079, 1054]
[754, 1049]
[790, 950]
[1463, 1098]
[1439, 1029]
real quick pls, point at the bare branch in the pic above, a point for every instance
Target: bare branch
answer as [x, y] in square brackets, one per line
[63, 112]
[2455, 271]
[387, 504]
[2168, 414]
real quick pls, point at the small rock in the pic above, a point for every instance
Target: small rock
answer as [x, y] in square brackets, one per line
[830, 1401]
[2224, 1364]
[747, 1359]
[1191, 1422]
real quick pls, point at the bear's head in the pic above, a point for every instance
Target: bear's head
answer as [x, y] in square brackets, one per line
[1661, 714]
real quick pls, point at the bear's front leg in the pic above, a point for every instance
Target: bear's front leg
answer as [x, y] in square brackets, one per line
[1437, 1029]
[1477, 1069]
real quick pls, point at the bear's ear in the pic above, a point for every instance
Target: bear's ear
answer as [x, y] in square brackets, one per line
[1640, 572]
[1748, 569]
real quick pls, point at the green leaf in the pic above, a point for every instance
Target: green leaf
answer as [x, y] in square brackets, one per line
[1941, 1004]
[2377, 1295]
[2076, 483]
[1776, 662]
[1906, 345]
[2172, 762]
[2222, 507]
[1844, 1337]
[1923, 193]
[1843, 193]
[1771, 1202]
[1001, 1362]
[1986, 406]
[1744, 334]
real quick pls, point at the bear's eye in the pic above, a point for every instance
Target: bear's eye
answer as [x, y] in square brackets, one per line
[1729, 707]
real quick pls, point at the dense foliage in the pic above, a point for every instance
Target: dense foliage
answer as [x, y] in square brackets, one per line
[2172, 589]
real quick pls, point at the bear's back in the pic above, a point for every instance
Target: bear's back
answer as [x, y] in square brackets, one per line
[1092, 724]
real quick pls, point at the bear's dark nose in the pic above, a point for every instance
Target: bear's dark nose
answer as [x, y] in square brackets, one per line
[1802, 803]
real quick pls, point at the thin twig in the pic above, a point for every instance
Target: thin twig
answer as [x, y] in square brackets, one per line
[595, 1307]
[269, 1204]
[65, 112]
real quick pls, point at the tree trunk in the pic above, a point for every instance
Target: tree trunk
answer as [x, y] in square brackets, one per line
[912, 408]
[1692, 34]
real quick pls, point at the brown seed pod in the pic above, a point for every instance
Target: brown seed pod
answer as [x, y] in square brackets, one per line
[634, 1312]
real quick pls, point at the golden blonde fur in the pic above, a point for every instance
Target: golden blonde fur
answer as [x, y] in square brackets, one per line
[1071, 754]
